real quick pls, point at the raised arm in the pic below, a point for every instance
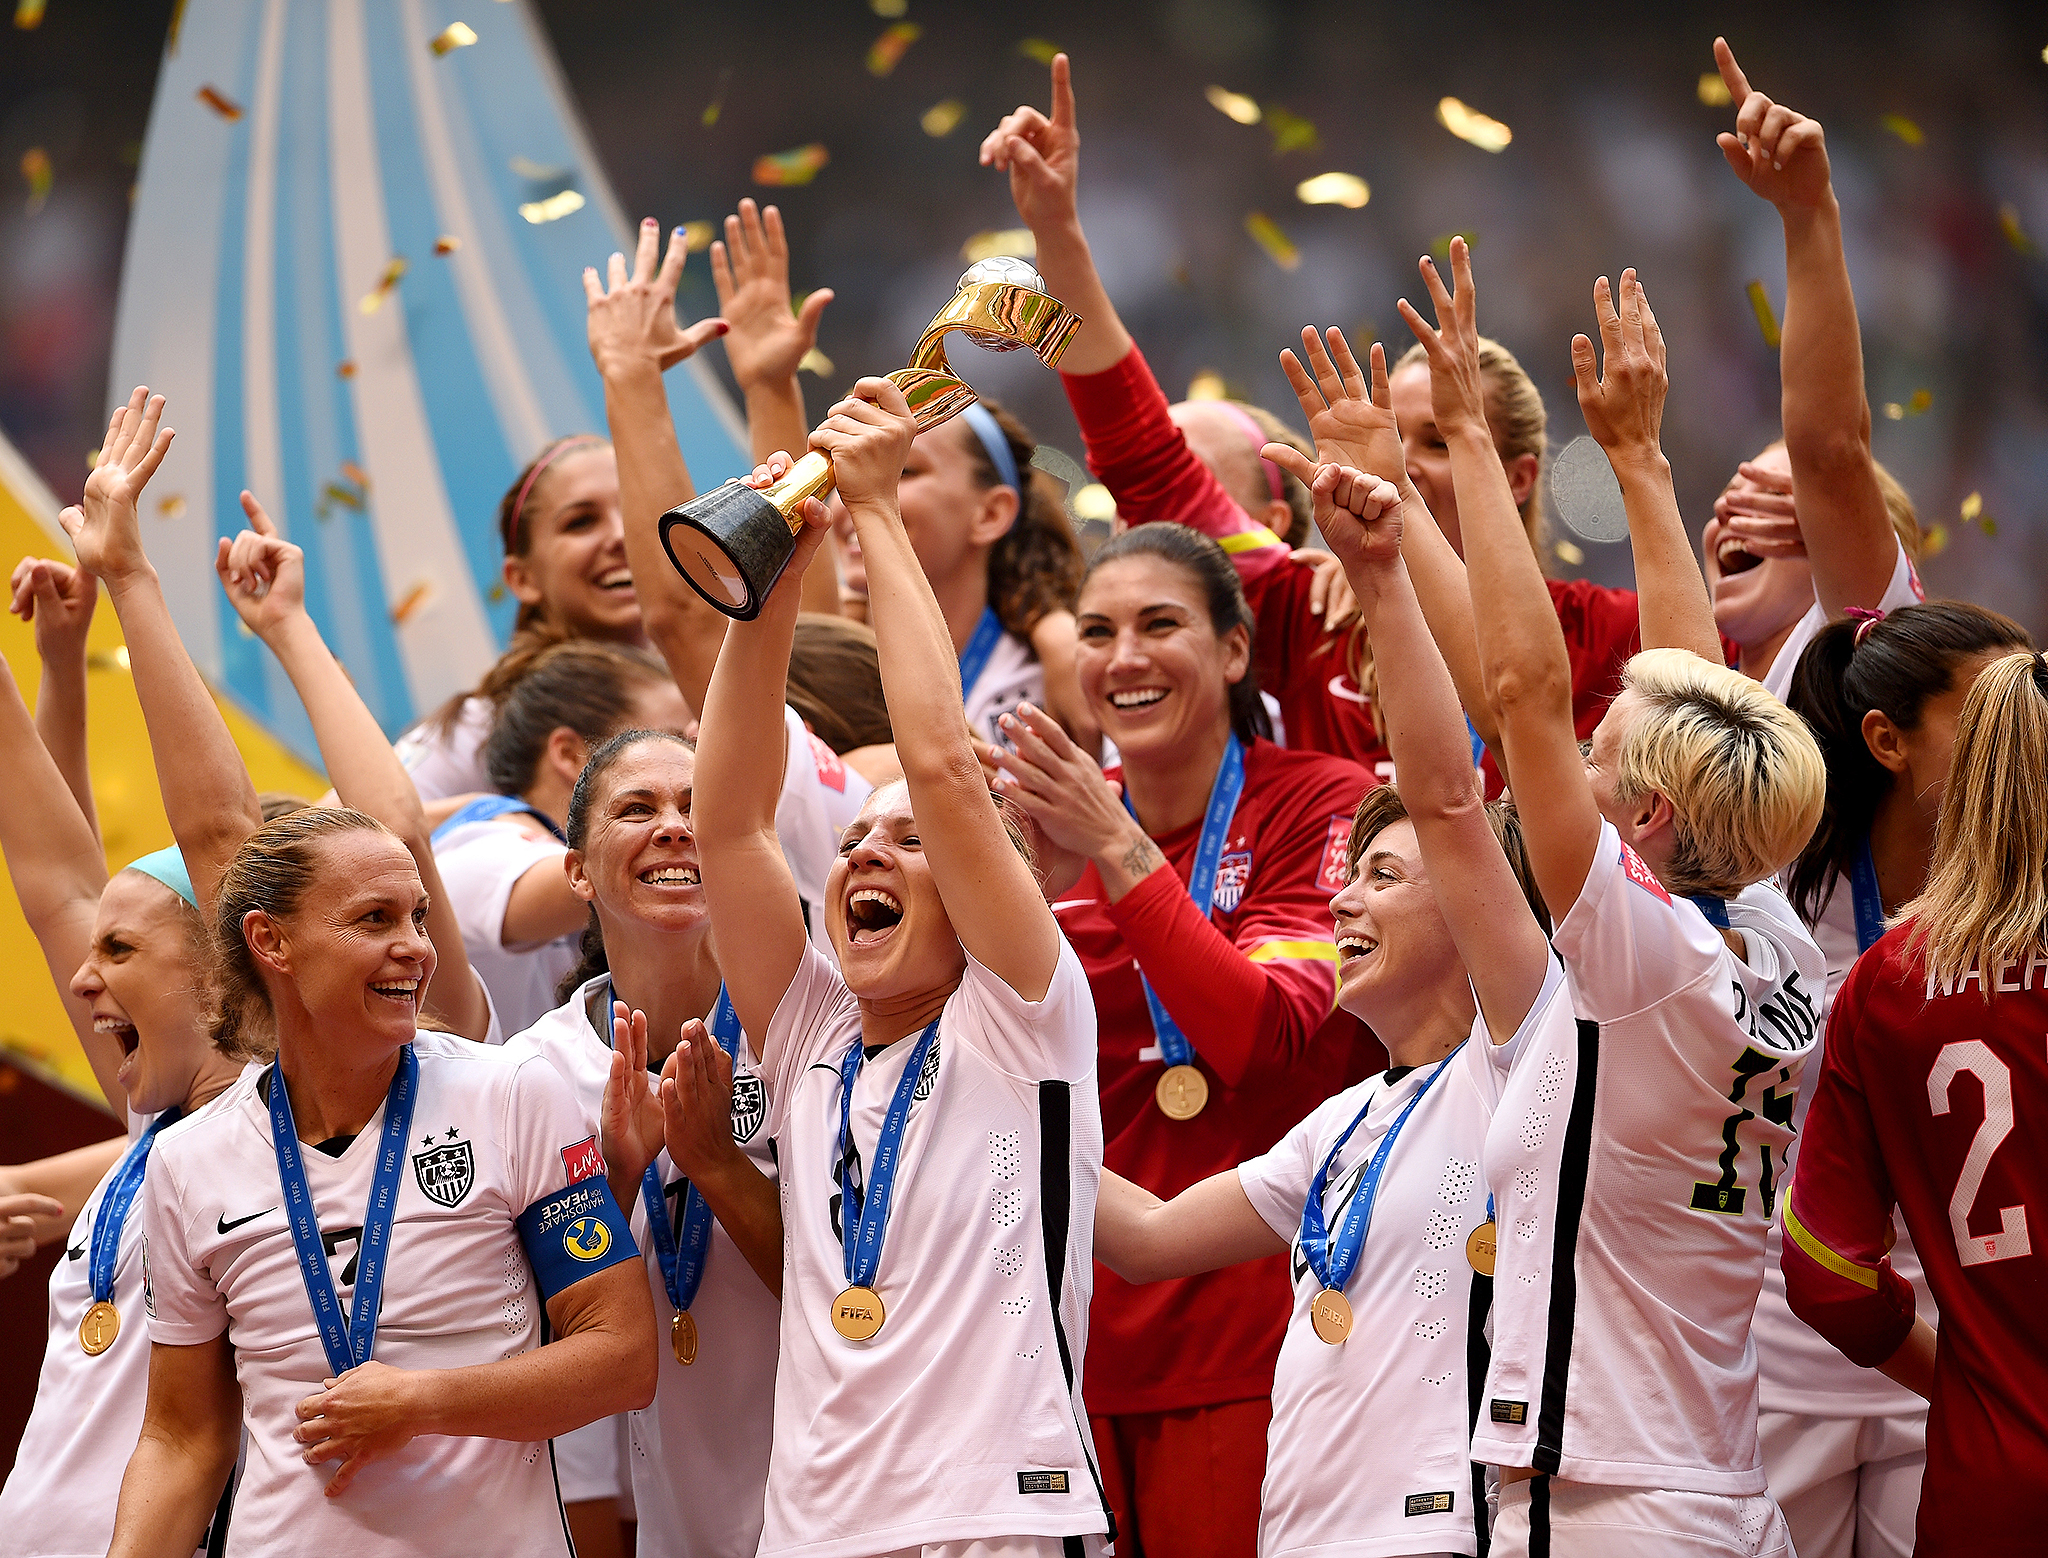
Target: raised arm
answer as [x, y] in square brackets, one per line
[58, 599]
[206, 790]
[1525, 669]
[1783, 157]
[635, 338]
[987, 887]
[265, 578]
[1212, 1223]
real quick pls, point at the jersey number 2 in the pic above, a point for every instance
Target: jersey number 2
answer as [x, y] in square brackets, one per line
[2011, 1241]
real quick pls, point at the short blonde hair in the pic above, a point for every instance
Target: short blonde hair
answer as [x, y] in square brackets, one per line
[1743, 774]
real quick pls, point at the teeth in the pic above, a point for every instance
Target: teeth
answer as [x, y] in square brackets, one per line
[875, 895]
[111, 1025]
[672, 876]
[1355, 946]
[398, 987]
[617, 576]
[1137, 697]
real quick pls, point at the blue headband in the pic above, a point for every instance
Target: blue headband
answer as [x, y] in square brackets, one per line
[168, 867]
[996, 442]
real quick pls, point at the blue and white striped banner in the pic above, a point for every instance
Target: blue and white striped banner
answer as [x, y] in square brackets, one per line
[380, 436]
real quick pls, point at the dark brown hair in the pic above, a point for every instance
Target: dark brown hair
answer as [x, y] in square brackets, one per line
[1036, 568]
[835, 682]
[1381, 807]
[585, 685]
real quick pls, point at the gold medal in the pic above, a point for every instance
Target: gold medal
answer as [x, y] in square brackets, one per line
[857, 1313]
[96, 1332]
[1330, 1314]
[682, 1336]
[1183, 1093]
[1479, 1248]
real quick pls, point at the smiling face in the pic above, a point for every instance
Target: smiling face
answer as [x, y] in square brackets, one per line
[951, 519]
[639, 860]
[1394, 950]
[1151, 664]
[1422, 446]
[1755, 598]
[574, 567]
[140, 980]
[883, 911]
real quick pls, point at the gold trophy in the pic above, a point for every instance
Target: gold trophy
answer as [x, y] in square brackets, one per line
[733, 542]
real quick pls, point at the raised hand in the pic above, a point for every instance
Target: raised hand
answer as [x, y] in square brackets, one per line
[105, 529]
[630, 1120]
[634, 321]
[1624, 402]
[1781, 155]
[1041, 155]
[868, 437]
[264, 574]
[58, 599]
[696, 1106]
[750, 269]
[1349, 424]
[1457, 388]
[1359, 514]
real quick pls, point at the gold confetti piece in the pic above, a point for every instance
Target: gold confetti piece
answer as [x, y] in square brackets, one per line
[1094, 502]
[1267, 235]
[171, 506]
[2015, 234]
[92, 459]
[1713, 90]
[1291, 132]
[716, 106]
[552, 209]
[1934, 542]
[1334, 189]
[1973, 505]
[35, 167]
[356, 474]
[887, 50]
[1440, 248]
[115, 659]
[456, 35]
[447, 243]
[386, 283]
[28, 14]
[1894, 410]
[1473, 127]
[336, 492]
[1038, 49]
[1766, 319]
[815, 361]
[497, 593]
[537, 172]
[799, 165]
[346, 368]
[1988, 525]
[1183, 274]
[220, 103]
[410, 603]
[1915, 404]
[1207, 384]
[1566, 552]
[888, 8]
[697, 236]
[940, 119]
[1235, 105]
[1019, 241]
[1904, 129]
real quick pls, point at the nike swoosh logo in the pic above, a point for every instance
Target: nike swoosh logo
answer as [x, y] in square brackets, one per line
[224, 1226]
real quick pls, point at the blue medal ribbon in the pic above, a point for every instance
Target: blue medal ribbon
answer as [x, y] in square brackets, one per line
[347, 1342]
[861, 1232]
[113, 1213]
[1228, 785]
[988, 632]
[485, 807]
[1715, 909]
[1869, 901]
[682, 1261]
[1333, 1262]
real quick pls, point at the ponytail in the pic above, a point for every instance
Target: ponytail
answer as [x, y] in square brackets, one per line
[1036, 568]
[584, 685]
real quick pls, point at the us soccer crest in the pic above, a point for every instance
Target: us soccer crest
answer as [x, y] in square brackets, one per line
[1232, 873]
[445, 1173]
[749, 1105]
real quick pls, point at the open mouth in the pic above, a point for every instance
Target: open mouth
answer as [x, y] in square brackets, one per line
[118, 1028]
[616, 579]
[1352, 946]
[1732, 557]
[1133, 698]
[405, 991]
[871, 915]
[683, 875]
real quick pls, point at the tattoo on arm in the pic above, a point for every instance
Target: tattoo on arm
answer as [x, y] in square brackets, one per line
[1142, 859]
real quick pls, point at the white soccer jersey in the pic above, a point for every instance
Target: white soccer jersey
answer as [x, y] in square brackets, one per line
[1418, 1352]
[1902, 590]
[60, 1498]
[1642, 1151]
[699, 1454]
[451, 762]
[962, 1419]
[1011, 676]
[480, 863]
[493, 1133]
[820, 796]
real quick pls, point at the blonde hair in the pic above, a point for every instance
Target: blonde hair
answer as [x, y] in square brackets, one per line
[1743, 774]
[1986, 899]
[1516, 419]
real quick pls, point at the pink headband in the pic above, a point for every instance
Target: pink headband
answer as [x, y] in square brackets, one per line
[573, 441]
[1257, 435]
[1865, 620]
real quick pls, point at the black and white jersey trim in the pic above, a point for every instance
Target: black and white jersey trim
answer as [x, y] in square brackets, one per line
[1575, 1157]
[1055, 1212]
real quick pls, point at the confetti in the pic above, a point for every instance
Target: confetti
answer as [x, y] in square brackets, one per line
[1266, 233]
[28, 14]
[815, 361]
[409, 604]
[887, 50]
[220, 103]
[35, 167]
[1019, 241]
[1094, 502]
[456, 35]
[1713, 90]
[1568, 554]
[356, 474]
[1988, 525]
[92, 459]
[1183, 274]
[335, 492]
[537, 172]
[1440, 247]
[1291, 132]
[1935, 542]
[2015, 234]
[1918, 402]
[1766, 320]
[1039, 49]
[1207, 384]
[697, 236]
[1334, 189]
[1234, 105]
[115, 659]
[799, 165]
[1973, 505]
[552, 209]
[888, 8]
[1472, 127]
[346, 368]
[940, 119]
[716, 106]
[1904, 129]
[497, 593]
[386, 284]
[171, 506]
[447, 243]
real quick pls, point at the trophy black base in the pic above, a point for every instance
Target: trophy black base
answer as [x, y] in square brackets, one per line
[731, 544]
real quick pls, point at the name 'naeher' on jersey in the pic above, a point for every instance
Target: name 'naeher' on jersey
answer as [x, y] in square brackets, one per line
[1634, 1164]
[1931, 1097]
[493, 1134]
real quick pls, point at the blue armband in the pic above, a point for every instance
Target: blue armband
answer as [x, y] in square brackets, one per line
[575, 1233]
